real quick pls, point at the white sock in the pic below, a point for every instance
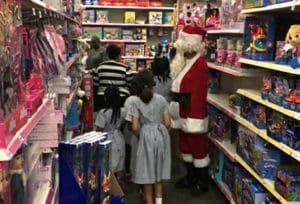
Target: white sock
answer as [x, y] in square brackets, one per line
[158, 200]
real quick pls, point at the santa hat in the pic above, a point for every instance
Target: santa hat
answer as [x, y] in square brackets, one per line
[190, 38]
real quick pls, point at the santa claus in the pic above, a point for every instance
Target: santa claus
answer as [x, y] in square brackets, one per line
[188, 109]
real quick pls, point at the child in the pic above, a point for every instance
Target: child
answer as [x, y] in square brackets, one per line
[150, 120]
[130, 139]
[111, 120]
[161, 70]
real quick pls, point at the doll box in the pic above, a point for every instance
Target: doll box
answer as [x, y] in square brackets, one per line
[256, 3]
[289, 174]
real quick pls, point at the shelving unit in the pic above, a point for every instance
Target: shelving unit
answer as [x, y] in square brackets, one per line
[128, 25]
[221, 102]
[236, 71]
[163, 8]
[270, 66]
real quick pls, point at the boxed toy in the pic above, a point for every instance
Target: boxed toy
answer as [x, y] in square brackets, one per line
[280, 89]
[88, 32]
[256, 3]
[134, 50]
[110, 33]
[241, 178]
[281, 56]
[253, 193]
[214, 83]
[129, 17]
[88, 16]
[212, 18]
[228, 174]
[217, 162]
[259, 38]
[246, 145]
[155, 17]
[102, 16]
[289, 192]
[266, 87]
[276, 125]
[4, 182]
[168, 18]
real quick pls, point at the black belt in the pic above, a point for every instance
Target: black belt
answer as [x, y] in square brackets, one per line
[184, 99]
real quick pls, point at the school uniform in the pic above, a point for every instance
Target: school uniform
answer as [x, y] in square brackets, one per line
[163, 87]
[117, 157]
[153, 154]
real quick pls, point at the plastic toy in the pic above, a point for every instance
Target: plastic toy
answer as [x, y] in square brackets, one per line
[231, 52]
[293, 40]
[281, 55]
[259, 36]
[239, 53]
[221, 50]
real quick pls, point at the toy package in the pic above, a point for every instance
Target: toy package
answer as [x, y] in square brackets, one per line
[259, 38]
[281, 55]
[155, 17]
[239, 52]
[88, 16]
[110, 33]
[221, 50]
[235, 102]
[231, 17]
[129, 17]
[102, 16]
[211, 50]
[287, 183]
[240, 177]
[134, 50]
[4, 183]
[217, 162]
[214, 82]
[212, 18]
[266, 87]
[231, 52]
[228, 174]
[255, 3]
[276, 125]
[280, 89]
[253, 193]
[168, 18]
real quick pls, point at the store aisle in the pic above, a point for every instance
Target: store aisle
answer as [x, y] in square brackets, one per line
[176, 196]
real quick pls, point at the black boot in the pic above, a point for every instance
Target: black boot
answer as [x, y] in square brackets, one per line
[189, 180]
[202, 183]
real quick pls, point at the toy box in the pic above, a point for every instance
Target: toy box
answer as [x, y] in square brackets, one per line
[276, 125]
[101, 16]
[231, 16]
[253, 193]
[134, 50]
[217, 162]
[211, 50]
[241, 177]
[214, 83]
[290, 192]
[229, 173]
[155, 17]
[266, 87]
[246, 107]
[259, 38]
[212, 18]
[168, 18]
[256, 3]
[88, 16]
[110, 33]
[221, 50]
[280, 89]
[281, 56]
[88, 32]
[292, 137]
[257, 115]
[129, 17]
[246, 144]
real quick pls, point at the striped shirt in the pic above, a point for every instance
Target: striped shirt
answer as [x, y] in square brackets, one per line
[113, 73]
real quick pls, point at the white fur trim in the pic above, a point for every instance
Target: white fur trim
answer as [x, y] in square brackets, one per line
[174, 110]
[176, 82]
[187, 157]
[199, 163]
[192, 125]
[176, 123]
[190, 38]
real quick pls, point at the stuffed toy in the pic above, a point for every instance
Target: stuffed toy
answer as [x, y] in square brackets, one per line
[292, 41]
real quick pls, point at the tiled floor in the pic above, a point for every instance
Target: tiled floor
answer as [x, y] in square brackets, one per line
[175, 196]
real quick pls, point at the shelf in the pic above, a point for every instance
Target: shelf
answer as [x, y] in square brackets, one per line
[128, 7]
[228, 149]
[275, 7]
[224, 189]
[124, 41]
[127, 25]
[23, 133]
[221, 102]
[46, 6]
[268, 184]
[225, 31]
[255, 95]
[72, 61]
[138, 57]
[236, 71]
[270, 66]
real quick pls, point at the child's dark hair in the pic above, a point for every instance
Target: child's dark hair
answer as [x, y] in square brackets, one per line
[133, 86]
[161, 68]
[113, 51]
[113, 100]
[145, 83]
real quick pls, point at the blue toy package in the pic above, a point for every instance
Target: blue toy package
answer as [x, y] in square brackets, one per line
[290, 192]
[259, 38]
[214, 82]
[253, 193]
[292, 138]
[240, 177]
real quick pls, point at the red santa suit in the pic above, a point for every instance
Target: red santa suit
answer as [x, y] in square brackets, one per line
[189, 110]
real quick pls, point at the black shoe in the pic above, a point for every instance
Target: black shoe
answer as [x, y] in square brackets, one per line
[199, 188]
[183, 183]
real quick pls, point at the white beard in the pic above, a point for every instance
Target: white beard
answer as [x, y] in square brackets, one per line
[177, 64]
